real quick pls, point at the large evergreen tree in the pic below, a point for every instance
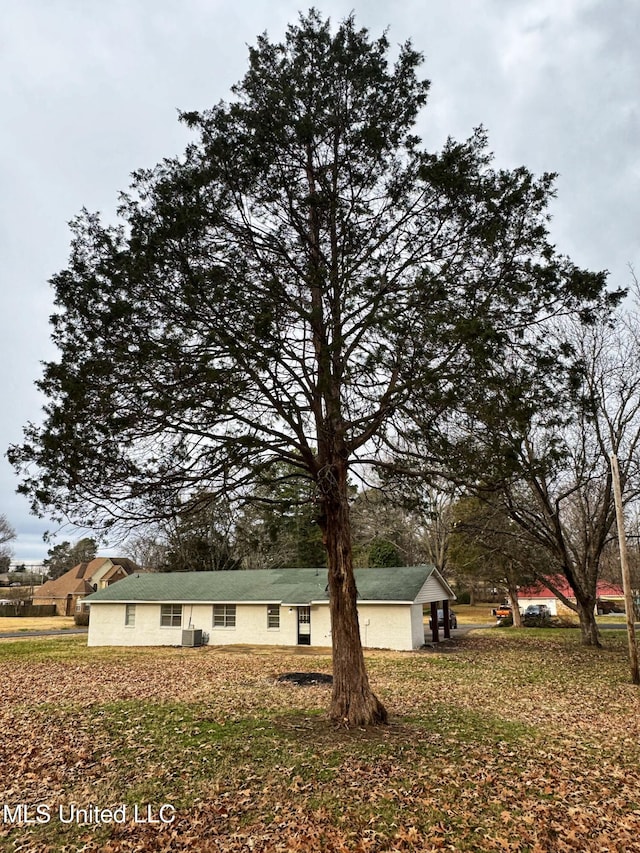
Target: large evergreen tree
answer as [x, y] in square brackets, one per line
[278, 528]
[290, 290]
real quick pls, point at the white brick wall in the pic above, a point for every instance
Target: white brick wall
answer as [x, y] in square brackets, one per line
[382, 626]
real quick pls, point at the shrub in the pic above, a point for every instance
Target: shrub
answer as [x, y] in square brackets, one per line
[82, 618]
[383, 554]
[541, 621]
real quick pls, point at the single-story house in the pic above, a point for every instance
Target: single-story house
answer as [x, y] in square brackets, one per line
[69, 591]
[284, 607]
[541, 594]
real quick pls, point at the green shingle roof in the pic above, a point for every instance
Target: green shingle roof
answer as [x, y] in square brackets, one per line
[286, 586]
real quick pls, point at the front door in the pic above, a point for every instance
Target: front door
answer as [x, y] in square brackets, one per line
[304, 626]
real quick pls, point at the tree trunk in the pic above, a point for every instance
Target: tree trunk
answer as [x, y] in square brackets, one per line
[588, 624]
[512, 589]
[353, 703]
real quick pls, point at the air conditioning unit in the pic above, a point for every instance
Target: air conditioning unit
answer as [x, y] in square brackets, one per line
[192, 637]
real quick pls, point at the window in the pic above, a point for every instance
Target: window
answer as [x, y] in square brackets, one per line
[273, 616]
[170, 615]
[130, 615]
[224, 616]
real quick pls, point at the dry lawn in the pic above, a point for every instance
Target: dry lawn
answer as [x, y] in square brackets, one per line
[475, 614]
[35, 623]
[508, 741]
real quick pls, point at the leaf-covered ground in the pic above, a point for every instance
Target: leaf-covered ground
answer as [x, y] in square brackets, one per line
[505, 740]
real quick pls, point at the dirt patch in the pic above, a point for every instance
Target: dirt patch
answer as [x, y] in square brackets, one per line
[306, 679]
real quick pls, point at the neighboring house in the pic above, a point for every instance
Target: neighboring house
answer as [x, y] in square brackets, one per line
[69, 590]
[283, 607]
[540, 594]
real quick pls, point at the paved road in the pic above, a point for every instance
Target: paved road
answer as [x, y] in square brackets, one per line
[52, 632]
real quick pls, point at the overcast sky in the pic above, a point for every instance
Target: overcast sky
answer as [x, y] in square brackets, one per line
[89, 91]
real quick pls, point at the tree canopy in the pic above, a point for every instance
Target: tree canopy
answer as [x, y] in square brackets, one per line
[305, 285]
[197, 538]
[64, 556]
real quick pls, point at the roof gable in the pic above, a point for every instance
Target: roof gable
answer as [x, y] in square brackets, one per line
[66, 584]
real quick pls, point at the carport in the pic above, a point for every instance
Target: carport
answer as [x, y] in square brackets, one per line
[446, 629]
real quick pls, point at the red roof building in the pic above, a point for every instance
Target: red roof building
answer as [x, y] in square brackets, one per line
[541, 594]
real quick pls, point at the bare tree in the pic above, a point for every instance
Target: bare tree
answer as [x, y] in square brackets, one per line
[147, 548]
[7, 535]
[486, 545]
[562, 494]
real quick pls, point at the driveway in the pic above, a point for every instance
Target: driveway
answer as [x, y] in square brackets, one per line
[456, 633]
[461, 630]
